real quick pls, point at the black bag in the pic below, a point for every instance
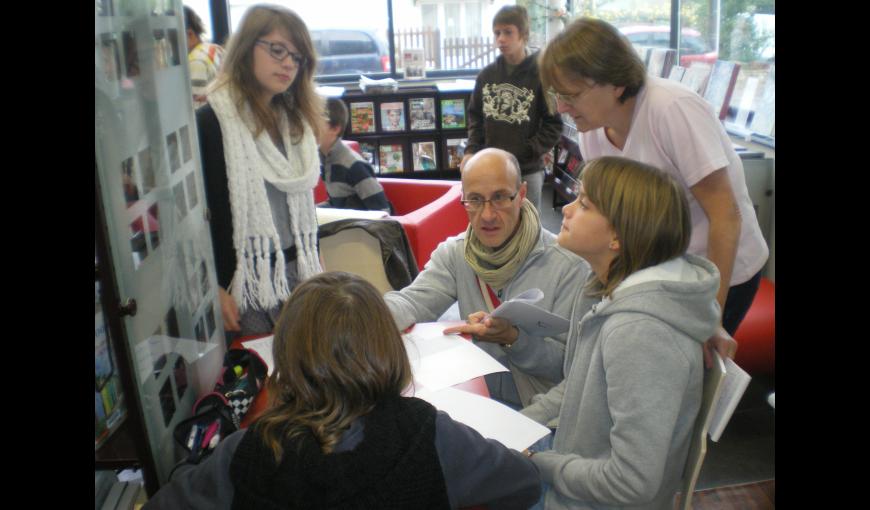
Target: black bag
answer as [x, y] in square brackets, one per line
[220, 413]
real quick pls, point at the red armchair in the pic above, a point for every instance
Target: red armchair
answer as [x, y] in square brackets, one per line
[429, 211]
[756, 335]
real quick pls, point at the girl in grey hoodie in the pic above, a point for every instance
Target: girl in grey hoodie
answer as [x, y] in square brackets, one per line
[633, 362]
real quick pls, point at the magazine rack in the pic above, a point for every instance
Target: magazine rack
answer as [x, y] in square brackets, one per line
[416, 132]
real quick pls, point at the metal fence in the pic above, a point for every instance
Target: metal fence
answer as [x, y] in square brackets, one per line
[455, 53]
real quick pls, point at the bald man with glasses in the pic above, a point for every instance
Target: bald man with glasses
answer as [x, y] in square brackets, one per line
[504, 252]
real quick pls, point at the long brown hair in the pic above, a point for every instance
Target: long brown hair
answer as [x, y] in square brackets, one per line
[337, 352]
[301, 100]
[647, 209]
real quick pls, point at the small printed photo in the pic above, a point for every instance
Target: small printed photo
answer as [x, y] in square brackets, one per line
[179, 372]
[192, 197]
[128, 181]
[393, 116]
[424, 156]
[171, 324]
[157, 7]
[362, 117]
[186, 153]
[422, 113]
[147, 170]
[131, 55]
[391, 158]
[172, 148]
[452, 113]
[160, 50]
[455, 151]
[203, 278]
[138, 246]
[173, 55]
[209, 321]
[153, 222]
[180, 201]
[195, 295]
[369, 152]
[200, 331]
[167, 402]
[159, 352]
[104, 8]
[110, 59]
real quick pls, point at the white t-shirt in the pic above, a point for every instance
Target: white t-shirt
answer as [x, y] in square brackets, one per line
[675, 130]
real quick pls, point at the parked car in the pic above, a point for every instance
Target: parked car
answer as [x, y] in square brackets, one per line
[693, 47]
[348, 51]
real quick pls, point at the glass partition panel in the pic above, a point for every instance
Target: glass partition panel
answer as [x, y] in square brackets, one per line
[150, 180]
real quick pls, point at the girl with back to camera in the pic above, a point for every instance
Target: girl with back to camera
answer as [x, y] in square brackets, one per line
[338, 433]
[259, 155]
[633, 361]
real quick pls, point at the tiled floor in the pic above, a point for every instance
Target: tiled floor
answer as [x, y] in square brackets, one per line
[746, 451]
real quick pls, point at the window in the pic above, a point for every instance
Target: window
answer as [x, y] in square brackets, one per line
[202, 8]
[350, 39]
[739, 31]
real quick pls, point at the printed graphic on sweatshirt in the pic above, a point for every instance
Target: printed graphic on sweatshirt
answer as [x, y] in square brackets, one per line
[507, 103]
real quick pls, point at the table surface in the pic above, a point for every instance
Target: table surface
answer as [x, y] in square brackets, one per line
[476, 385]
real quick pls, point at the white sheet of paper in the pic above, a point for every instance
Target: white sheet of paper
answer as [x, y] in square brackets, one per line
[536, 321]
[263, 347]
[733, 386]
[492, 419]
[329, 214]
[439, 360]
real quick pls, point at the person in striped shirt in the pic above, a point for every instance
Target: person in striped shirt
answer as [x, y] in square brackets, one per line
[350, 180]
[204, 59]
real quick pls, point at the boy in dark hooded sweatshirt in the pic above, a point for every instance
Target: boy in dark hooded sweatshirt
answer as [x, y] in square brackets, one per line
[508, 109]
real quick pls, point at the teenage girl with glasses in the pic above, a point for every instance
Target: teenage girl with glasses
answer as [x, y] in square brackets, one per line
[259, 154]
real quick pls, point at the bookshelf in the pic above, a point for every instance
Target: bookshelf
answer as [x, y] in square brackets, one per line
[417, 132]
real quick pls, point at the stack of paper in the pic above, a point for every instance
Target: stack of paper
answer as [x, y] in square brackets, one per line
[439, 361]
[458, 85]
[733, 385]
[329, 214]
[492, 419]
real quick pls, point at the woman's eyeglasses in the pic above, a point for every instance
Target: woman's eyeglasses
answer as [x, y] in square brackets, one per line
[279, 52]
[569, 99]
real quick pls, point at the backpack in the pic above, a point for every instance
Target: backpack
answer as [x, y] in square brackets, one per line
[220, 413]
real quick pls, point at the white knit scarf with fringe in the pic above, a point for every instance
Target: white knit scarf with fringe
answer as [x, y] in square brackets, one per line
[250, 163]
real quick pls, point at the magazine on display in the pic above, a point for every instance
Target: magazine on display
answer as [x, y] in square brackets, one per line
[391, 158]
[452, 113]
[362, 117]
[422, 113]
[455, 152]
[393, 116]
[424, 156]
